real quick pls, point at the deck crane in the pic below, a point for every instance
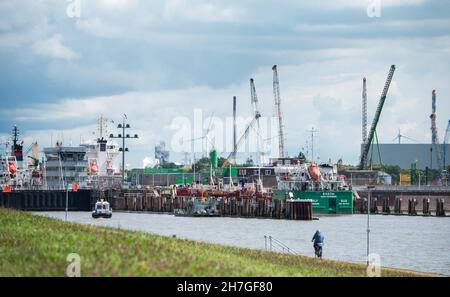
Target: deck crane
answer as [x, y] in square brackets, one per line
[278, 113]
[365, 153]
[241, 139]
[254, 99]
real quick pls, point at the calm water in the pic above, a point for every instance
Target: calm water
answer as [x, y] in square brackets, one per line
[416, 243]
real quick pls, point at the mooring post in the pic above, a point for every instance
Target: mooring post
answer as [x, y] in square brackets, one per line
[440, 211]
[426, 206]
[398, 205]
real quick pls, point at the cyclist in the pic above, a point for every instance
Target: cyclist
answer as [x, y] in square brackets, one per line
[318, 239]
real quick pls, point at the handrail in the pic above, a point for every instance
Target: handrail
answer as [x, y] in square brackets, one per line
[277, 245]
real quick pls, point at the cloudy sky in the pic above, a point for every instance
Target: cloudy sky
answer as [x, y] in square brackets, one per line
[63, 63]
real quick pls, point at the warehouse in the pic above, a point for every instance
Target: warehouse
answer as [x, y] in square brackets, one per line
[404, 155]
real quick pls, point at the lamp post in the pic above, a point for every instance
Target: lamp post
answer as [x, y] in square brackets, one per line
[123, 136]
[369, 188]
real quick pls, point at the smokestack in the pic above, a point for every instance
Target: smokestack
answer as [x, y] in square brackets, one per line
[234, 128]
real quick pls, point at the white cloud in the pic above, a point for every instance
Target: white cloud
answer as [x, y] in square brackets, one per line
[406, 25]
[344, 4]
[53, 47]
[199, 10]
[97, 27]
[149, 162]
[173, 48]
[323, 93]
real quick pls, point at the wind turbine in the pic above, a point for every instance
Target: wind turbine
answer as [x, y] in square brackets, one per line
[400, 136]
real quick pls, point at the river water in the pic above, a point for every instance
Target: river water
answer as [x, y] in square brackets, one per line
[415, 243]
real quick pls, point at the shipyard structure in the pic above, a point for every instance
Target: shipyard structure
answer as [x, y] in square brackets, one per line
[284, 187]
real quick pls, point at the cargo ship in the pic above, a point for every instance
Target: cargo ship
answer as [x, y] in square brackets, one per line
[320, 183]
[19, 169]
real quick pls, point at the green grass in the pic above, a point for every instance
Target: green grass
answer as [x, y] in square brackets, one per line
[32, 245]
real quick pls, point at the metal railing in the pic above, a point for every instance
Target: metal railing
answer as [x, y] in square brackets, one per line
[422, 188]
[274, 245]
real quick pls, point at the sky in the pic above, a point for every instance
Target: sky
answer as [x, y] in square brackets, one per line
[162, 63]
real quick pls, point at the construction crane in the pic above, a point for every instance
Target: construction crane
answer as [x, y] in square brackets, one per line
[254, 99]
[445, 143]
[434, 133]
[278, 113]
[372, 132]
[364, 112]
[241, 139]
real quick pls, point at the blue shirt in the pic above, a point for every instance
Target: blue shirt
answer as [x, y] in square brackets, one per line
[318, 238]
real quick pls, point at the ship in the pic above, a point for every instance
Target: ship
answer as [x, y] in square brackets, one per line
[320, 183]
[101, 156]
[198, 208]
[18, 169]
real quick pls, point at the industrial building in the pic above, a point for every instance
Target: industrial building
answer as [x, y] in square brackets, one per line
[405, 154]
[65, 165]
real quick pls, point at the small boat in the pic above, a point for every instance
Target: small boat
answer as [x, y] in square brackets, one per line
[198, 209]
[102, 209]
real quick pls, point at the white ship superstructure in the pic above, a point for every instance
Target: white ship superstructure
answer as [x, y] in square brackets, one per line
[101, 155]
[292, 173]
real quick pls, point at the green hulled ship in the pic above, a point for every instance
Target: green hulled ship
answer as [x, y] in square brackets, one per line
[327, 201]
[321, 184]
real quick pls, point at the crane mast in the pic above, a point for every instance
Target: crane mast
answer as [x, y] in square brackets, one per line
[365, 153]
[364, 112]
[434, 132]
[278, 113]
[254, 99]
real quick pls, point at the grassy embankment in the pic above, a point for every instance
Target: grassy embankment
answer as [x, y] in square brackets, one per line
[32, 245]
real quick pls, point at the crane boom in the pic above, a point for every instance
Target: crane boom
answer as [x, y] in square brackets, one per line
[445, 143]
[254, 99]
[244, 136]
[278, 113]
[365, 153]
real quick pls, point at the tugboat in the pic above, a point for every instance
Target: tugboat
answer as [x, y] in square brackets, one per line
[102, 210]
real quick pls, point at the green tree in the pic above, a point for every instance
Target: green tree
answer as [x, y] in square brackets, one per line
[169, 165]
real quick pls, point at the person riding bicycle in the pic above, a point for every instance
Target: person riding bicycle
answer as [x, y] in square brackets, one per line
[318, 239]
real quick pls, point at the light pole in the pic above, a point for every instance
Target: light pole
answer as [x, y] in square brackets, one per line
[123, 149]
[369, 188]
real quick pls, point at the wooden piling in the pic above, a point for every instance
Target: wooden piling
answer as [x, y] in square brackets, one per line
[412, 207]
[426, 206]
[386, 207]
[398, 205]
[440, 211]
[374, 206]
